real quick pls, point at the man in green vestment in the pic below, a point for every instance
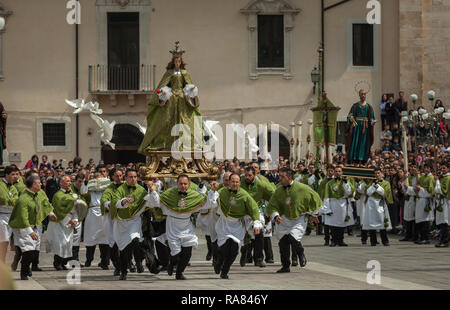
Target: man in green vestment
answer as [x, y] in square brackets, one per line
[30, 210]
[290, 205]
[442, 192]
[361, 121]
[8, 198]
[179, 204]
[424, 213]
[321, 192]
[260, 191]
[233, 204]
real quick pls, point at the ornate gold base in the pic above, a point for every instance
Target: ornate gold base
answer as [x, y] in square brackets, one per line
[162, 164]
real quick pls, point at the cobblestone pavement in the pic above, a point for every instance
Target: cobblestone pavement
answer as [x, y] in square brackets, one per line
[403, 266]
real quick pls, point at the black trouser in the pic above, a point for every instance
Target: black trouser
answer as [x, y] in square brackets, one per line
[105, 254]
[27, 258]
[285, 244]
[443, 232]
[75, 251]
[163, 253]
[90, 251]
[393, 214]
[337, 234]
[126, 254]
[115, 257]
[423, 230]
[373, 236]
[249, 250]
[364, 235]
[208, 245]
[184, 258]
[409, 229]
[228, 253]
[294, 254]
[268, 253]
[258, 247]
[326, 230]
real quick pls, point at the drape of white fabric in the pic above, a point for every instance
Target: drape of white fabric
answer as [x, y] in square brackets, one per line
[5, 230]
[374, 211]
[421, 203]
[96, 226]
[361, 189]
[441, 216]
[179, 229]
[296, 228]
[410, 205]
[23, 240]
[60, 235]
[124, 231]
[340, 208]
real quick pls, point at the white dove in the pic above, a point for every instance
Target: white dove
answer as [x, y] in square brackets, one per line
[251, 140]
[106, 129]
[209, 125]
[78, 104]
[94, 108]
[142, 129]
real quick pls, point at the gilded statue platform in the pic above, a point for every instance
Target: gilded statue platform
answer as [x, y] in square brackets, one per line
[167, 164]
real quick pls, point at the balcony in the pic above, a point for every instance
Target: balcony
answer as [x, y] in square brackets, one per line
[121, 80]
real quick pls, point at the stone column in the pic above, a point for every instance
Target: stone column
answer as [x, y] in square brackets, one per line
[293, 144]
[299, 142]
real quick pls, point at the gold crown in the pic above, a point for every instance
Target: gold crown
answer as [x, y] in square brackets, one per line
[178, 51]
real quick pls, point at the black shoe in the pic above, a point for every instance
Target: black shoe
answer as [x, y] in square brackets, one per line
[269, 261]
[58, 267]
[333, 244]
[342, 244]
[363, 242]
[23, 277]
[224, 276]
[30, 274]
[284, 270]
[242, 261]
[406, 239]
[260, 263]
[386, 243]
[116, 272]
[350, 233]
[35, 268]
[425, 242]
[217, 267]
[170, 269]
[104, 267]
[208, 256]
[303, 260]
[373, 244]
[442, 245]
[132, 268]
[139, 267]
[87, 263]
[249, 260]
[123, 277]
[64, 267]
[180, 276]
[294, 263]
[163, 268]
[327, 243]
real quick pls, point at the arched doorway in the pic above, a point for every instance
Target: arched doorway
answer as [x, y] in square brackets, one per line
[127, 139]
[284, 146]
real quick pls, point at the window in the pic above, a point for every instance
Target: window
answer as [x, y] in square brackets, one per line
[363, 45]
[270, 25]
[54, 134]
[270, 41]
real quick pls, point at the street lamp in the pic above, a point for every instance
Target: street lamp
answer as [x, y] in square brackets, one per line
[2, 23]
[315, 76]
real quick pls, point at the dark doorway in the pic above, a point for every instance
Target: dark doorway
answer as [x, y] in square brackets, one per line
[284, 145]
[127, 139]
[123, 51]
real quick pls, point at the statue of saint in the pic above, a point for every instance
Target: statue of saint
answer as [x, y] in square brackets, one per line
[361, 120]
[175, 101]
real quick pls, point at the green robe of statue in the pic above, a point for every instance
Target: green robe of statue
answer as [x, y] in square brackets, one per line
[177, 110]
[30, 210]
[362, 135]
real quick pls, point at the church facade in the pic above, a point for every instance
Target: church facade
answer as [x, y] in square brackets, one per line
[251, 60]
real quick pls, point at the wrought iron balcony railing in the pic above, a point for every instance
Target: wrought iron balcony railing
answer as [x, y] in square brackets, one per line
[117, 79]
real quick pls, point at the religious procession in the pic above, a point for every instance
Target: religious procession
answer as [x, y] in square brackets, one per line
[168, 193]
